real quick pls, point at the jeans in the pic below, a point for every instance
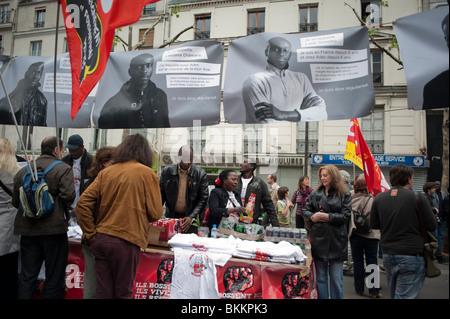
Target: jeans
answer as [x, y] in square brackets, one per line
[116, 262]
[440, 234]
[54, 250]
[405, 275]
[363, 247]
[90, 277]
[335, 270]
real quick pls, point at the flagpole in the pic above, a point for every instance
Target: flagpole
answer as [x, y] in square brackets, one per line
[354, 173]
[54, 80]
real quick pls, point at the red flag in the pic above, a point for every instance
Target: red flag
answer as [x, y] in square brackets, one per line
[90, 27]
[359, 153]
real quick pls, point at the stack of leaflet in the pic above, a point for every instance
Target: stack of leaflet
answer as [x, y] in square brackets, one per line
[282, 252]
[74, 232]
[224, 246]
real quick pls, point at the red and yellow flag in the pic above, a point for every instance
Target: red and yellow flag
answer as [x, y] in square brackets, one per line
[90, 27]
[359, 153]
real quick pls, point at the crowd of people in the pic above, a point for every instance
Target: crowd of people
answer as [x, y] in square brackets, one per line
[114, 195]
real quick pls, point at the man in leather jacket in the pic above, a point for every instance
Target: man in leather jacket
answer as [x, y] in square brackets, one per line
[184, 189]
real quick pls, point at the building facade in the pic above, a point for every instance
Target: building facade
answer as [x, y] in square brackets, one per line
[395, 133]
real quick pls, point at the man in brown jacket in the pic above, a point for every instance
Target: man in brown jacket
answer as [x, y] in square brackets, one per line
[114, 213]
[45, 239]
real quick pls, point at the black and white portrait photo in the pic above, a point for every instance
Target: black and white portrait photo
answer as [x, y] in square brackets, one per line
[28, 102]
[139, 103]
[301, 77]
[423, 39]
[435, 92]
[279, 94]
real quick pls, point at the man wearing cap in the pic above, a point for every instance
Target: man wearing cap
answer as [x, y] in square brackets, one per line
[81, 161]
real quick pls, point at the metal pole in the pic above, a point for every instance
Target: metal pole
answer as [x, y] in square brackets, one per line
[54, 81]
[305, 167]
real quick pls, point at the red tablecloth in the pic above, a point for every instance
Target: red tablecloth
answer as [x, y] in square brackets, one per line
[238, 279]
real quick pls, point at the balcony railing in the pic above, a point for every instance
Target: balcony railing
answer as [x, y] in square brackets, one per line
[5, 16]
[39, 24]
[201, 35]
[255, 30]
[308, 27]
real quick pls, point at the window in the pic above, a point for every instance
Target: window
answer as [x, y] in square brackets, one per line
[1, 44]
[256, 22]
[312, 137]
[39, 21]
[308, 19]
[372, 128]
[371, 12]
[197, 135]
[377, 67]
[253, 138]
[36, 48]
[202, 27]
[148, 43]
[5, 13]
[149, 9]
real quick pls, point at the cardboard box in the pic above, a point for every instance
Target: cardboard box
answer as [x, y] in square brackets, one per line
[163, 230]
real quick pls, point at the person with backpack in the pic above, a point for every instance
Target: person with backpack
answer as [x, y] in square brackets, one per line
[45, 239]
[363, 240]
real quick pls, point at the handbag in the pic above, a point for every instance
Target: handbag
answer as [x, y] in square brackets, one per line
[431, 244]
[361, 222]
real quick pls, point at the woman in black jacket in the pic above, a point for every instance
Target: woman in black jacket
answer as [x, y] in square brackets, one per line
[224, 199]
[327, 211]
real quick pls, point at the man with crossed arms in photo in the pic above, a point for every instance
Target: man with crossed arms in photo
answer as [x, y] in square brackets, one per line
[278, 94]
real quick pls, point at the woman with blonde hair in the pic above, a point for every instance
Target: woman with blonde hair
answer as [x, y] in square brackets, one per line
[328, 210]
[9, 243]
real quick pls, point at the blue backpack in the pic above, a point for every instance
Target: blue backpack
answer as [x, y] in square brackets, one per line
[35, 199]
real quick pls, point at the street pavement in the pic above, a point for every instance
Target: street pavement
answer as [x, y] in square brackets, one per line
[433, 288]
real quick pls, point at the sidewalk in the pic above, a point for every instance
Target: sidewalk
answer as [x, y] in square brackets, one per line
[433, 288]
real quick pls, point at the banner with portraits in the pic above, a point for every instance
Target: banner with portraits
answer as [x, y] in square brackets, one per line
[423, 39]
[183, 84]
[270, 77]
[168, 87]
[29, 81]
[317, 76]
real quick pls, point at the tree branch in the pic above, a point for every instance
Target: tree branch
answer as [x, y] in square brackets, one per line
[142, 42]
[176, 37]
[372, 39]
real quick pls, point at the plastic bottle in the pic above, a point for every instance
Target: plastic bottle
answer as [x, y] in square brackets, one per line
[214, 231]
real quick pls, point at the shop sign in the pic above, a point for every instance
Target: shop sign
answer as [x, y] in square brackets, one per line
[382, 160]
